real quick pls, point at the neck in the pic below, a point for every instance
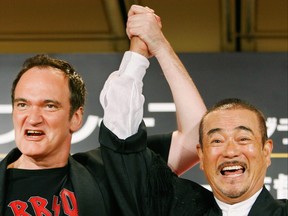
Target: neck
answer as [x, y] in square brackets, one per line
[25, 162]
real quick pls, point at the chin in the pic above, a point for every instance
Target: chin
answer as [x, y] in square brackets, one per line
[30, 151]
[234, 192]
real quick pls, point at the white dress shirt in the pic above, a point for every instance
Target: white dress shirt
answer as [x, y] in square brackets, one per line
[238, 209]
[121, 96]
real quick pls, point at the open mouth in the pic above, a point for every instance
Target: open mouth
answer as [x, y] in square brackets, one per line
[231, 170]
[236, 168]
[34, 133]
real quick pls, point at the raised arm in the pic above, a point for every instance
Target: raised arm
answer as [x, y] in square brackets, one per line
[141, 182]
[189, 104]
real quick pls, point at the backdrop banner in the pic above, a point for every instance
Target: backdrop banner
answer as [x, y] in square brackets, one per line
[260, 78]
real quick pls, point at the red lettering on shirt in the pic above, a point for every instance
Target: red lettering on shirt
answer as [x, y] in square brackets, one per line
[69, 202]
[56, 206]
[19, 208]
[39, 205]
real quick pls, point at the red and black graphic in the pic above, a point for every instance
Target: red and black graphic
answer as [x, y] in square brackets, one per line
[65, 202]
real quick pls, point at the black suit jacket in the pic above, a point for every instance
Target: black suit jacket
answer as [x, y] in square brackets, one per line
[94, 193]
[265, 205]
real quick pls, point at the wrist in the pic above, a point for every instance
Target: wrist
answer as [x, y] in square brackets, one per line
[138, 46]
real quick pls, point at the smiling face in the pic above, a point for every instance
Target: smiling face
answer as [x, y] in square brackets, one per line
[43, 127]
[233, 156]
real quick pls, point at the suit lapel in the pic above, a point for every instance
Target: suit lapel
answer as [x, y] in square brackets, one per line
[88, 194]
[11, 157]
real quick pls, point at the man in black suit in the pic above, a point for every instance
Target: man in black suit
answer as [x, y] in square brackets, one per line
[234, 153]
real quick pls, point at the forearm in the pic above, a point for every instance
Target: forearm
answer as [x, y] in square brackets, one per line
[189, 105]
[189, 109]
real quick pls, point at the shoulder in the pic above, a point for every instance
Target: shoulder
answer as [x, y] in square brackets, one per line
[280, 207]
[89, 164]
[90, 161]
[92, 156]
[192, 190]
[265, 203]
[191, 197]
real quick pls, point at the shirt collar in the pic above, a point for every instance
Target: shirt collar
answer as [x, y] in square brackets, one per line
[239, 209]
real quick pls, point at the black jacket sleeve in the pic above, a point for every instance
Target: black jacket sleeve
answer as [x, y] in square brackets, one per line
[160, 144]
[135, 173]
[126, 174]
[143, 184]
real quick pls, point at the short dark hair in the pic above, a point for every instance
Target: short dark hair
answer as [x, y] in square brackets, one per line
[75, 82]
[235, 103]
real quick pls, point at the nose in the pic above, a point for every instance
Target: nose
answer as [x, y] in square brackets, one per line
[35, 116]
[231, 149]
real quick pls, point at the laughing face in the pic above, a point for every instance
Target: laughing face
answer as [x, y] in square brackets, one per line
[234, 157]
[43, 127]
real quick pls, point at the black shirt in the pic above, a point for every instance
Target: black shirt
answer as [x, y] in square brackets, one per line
[40, 192]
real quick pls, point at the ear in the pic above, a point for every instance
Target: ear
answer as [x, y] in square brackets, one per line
[76, 120]
[200, 155]
[267, 150]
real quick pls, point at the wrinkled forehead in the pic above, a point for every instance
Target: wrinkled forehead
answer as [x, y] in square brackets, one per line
[38, 79]
[231, 119]
[46, 69]
[43, 73]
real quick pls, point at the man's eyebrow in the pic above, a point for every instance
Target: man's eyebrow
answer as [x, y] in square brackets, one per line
[241, 127]
[214, 130]
[45, 101]
[52, 101]
[19, 99]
